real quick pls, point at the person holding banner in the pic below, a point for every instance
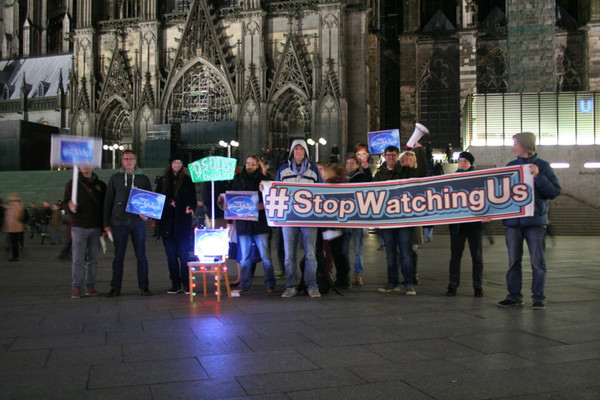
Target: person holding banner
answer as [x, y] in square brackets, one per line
[400, 238]
[531, 229]
[459, 234]
[120, 225]
[298, 168]
[249, 179]
[86, 220]
[175, 225]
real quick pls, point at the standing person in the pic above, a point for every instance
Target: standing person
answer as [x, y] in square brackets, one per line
[56, 223]
[86, 228]
[399, 239]
[459, 234]
[531, 229]
[249, 179]
[14, 225]
[175, 226]
[356, 174]
[122, 225]
[45, 217]
[298, 168]
[34, 219]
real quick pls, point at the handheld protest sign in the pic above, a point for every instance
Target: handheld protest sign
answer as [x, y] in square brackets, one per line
[73, 151]
[212, 169]
[146, 203]
[241, 205]
[379, 140]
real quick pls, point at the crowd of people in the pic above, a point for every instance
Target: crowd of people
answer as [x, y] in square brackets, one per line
[100, 214]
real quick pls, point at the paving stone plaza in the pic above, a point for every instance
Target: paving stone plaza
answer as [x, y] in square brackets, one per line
[362, 345]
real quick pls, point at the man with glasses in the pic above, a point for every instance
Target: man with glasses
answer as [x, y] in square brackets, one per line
[399, 238]
[122, 224]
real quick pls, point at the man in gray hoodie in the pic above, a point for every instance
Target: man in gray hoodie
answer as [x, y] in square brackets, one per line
[122, 224]
[298, 168]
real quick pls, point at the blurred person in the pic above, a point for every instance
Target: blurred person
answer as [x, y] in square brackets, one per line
[45, 217]
[86, 229]
[122, 224]
[530, 229]
[56, 223]
[14, 223]
[175, 225]
[34, 219]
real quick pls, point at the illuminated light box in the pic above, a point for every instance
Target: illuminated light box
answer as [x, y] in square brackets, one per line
[211, 245]
[212, 169]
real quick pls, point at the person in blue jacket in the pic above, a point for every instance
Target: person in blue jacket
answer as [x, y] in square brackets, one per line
[531, 229]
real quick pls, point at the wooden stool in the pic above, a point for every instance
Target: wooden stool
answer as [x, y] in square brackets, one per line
[218, 269]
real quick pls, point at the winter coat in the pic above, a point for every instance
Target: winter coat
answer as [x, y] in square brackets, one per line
[13, 217]
[546, 187]
[400, 172]
[251, 182]
[287, 173]
[117, 195]
[175, 221]
[90, 202]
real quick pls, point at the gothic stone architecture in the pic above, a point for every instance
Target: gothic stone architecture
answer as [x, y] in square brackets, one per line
[264, 72]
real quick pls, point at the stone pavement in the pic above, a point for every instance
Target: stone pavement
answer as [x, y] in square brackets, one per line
[363, 345]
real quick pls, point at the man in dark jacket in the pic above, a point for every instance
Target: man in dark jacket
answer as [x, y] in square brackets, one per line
[249, 179]
[459, 234]
[531, 229]
[122, 224]
[86, 220]
[400, 238]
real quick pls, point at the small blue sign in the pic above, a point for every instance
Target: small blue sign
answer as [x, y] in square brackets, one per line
[241, 205]
[379, 140]
[70, 150]
[147, 203]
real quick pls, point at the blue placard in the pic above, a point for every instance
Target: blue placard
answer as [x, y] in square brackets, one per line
[379, 140]
[147, 203]
[74, 150]
[241, 205]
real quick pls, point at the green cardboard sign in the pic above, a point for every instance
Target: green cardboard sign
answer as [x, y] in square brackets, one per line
[212, 169]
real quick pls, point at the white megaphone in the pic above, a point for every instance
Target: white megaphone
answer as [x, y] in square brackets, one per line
[418, 133]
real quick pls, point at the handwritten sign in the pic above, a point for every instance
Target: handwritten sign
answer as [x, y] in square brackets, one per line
[212, 169]
[75, 150]
[379, 140]
[497, 193]
[147, 203]
[241, 205]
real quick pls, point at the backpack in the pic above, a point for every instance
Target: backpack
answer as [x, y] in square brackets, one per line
[323, 277]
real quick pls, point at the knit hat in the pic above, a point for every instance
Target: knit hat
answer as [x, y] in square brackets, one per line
[467, 156]
[526, 140]
[177, 156]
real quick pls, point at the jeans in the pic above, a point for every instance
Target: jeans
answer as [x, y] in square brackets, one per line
[536, 242]
[177, 250]
[138, 238]
[473, 232]
[355, 236]
[262, 244]
[84, 276]
[290, 241]
[399, 239]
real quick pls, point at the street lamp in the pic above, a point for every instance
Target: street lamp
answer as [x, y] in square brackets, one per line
[229, 145]
[316, 144]
[113, 148]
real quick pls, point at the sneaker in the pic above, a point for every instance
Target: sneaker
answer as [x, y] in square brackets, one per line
[389, 288]
[239, 289]
[174, 290]
[478, 292]
[410, 291]
[451, 291]
[358, 279]
[290, 292]
[76, 294]
[145, 292]
[270, 289]
[91, 292]
[186, 291]
[509, 303]
[538, 305]
[114, 293]
[314, 293]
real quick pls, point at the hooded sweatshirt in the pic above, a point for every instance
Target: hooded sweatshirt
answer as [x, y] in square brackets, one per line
[117, 195]
[305, 172]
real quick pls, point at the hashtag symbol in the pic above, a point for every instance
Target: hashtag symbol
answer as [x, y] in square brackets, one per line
[277, 204]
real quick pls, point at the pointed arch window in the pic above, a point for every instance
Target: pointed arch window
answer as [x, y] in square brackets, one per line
[5, 94]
